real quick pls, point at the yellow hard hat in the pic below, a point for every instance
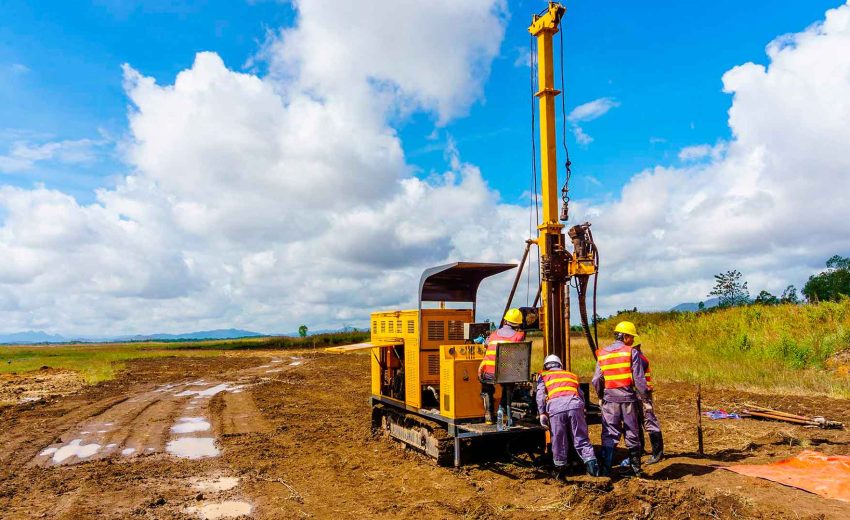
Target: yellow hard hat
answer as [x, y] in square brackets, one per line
[626, 327]
[514, 316]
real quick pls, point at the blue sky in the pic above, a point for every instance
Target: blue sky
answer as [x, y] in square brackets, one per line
[661, 61]
[255, 156]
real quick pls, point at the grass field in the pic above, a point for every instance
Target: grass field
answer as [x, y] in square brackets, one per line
[100, 362]
[786, 348]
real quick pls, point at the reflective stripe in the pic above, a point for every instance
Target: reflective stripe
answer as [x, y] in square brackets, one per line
[561, 380]
[646, 371]
[617, 373]
[559, 383]
[603, 357]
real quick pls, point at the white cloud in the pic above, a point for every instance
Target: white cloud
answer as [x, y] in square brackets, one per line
[592, 110]
[588, 112]
[267, 202]
[771, 204]
[702, 151]
[24, 155]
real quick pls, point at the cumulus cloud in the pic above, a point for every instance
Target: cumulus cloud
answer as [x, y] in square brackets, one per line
[270, 201]
[771, 205]
[267, 202]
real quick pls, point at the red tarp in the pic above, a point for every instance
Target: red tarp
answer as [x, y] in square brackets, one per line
[824, 475]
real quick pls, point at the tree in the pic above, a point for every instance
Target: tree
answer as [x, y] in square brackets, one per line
[730, 289]
[789, 295]
[701, 306]
[830, 284]
[302, 331]
[765, 298]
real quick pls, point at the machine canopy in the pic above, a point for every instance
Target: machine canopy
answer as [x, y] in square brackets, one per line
[456, 282]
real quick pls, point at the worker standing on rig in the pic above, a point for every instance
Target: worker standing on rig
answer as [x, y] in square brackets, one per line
[560, 403]
[650, 420]
[507, 333]
[620, 382]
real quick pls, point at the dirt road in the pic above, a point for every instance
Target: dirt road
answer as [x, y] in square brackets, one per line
[286, 435]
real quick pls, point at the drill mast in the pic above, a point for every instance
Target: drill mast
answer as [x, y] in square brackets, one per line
[557, 265]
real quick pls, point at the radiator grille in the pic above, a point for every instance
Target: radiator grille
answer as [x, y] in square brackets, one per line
[398, 326]
[436, 330]
[433, 364]
[383, 326]
[391, 326]
[410, 327]
[455, 330]
[375, 326]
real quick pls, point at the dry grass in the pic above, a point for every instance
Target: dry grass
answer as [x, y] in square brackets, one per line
[101, 361]
[788, 349]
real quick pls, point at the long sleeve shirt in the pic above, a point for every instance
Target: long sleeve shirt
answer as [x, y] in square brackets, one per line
[637, 391]
[558, 405]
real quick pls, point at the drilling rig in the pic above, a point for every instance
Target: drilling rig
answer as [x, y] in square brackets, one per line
[424, 362]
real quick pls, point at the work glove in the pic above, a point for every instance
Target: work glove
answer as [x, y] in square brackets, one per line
[544, 421]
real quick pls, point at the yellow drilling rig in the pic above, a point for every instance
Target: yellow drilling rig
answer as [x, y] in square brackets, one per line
[424, 387]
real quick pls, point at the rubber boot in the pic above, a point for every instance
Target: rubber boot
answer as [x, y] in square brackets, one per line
[488, 408]
[561, 472]
[634, 461]
[606, 457]
[508, 391]
[657, 442]
[592, 467]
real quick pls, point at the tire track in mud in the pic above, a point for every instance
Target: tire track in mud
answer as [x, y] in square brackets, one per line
[143, 418]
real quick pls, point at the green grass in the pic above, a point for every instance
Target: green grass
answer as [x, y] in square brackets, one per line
[783, 348]
[101, 362]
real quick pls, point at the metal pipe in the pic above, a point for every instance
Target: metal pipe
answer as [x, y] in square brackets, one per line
[516, 280]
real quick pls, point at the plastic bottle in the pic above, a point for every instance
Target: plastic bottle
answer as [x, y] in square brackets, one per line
[500, 419]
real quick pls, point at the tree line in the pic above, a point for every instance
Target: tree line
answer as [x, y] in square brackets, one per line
[832, 284]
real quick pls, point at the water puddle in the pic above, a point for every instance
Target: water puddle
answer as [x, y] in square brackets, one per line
[75, 449]
[274, 371]
[128, 451]
[209, 392]
[192, 447]
[110, 446]
[190, 424]
[219, 484]
[295, 363]
[227, 509]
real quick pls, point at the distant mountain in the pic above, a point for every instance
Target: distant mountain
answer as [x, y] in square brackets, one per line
[31, 336]
[200, 335]
[693, 307]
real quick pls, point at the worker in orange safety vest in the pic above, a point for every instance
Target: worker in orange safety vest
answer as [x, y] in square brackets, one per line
[560, 403]
[508, 333]
[620, 383]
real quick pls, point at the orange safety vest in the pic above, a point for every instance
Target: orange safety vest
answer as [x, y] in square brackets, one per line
[646, 369]
[616, 366]
[559, 383]
[488, 364]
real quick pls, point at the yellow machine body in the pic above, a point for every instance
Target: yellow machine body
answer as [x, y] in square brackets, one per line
[420, 342]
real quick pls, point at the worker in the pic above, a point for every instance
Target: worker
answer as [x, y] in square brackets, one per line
[650, 420]
[508, 333]
[560, 403]
[620, 383]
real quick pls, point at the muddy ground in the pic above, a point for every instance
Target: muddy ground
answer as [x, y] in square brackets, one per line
[287, 435]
